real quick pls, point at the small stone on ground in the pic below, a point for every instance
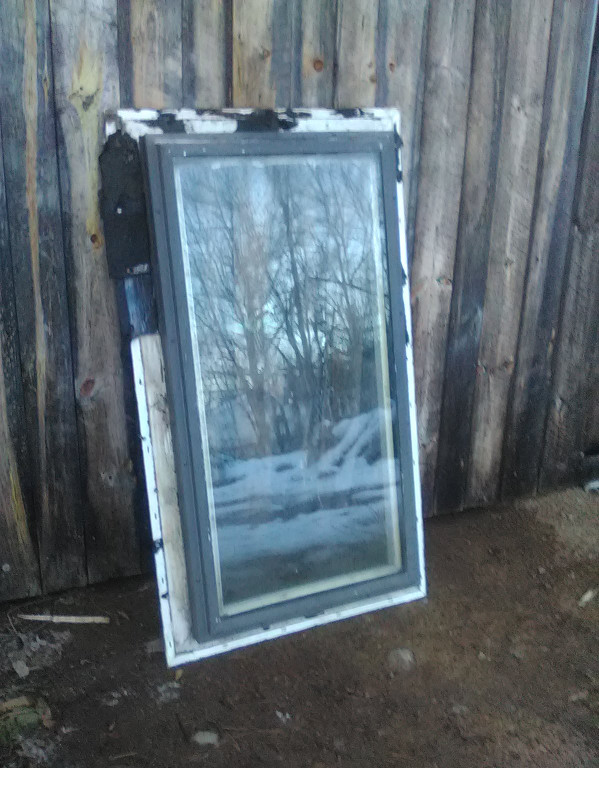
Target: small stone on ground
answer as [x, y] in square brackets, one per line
[206, 738]
[402, 659]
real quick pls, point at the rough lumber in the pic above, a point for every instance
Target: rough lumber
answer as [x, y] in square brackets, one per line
[356, 53]
[317, 53]
[265, 67]
[150, 55]
[206, 72]
[34, 214]
[485, 113]
[574, 400]
[442, 144]
[19, 568]
[570, 46]
[86, 84]
[400, 60]
[510, 232]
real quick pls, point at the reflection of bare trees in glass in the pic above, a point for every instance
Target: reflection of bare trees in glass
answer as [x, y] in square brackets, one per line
[284, 282]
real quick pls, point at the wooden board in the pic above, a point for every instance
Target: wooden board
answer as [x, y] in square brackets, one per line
[150, 55]
[400, 60]
[19, 567]
[155, 75]
[574, 399]
[564, 102]
[446, 88]
[510, 232]
[206, 52]
[86, 84]
[163, 501]
[153, 38]
[528, 398]
[317, 54]
[33, 203]
[356, 53]
[266, 68]
[485, 113]
[586, 221]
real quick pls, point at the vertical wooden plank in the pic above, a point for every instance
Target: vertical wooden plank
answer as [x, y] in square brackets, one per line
[574, 400]
[356, 53]
[151, 390]
[206, 51]
[485, 112]
[265, 68]
[565, 94]
[400, 60]
[19, 567]
[512, 214]
[587, 223]
[40, 289]
[150, 54]
[153, 69]
[318, 32]
[590, 422]
[446, 88]
[84, 50]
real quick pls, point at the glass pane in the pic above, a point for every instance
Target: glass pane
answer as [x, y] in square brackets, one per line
[288, 299]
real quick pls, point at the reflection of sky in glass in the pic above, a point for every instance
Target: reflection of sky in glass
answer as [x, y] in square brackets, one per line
[287, 278]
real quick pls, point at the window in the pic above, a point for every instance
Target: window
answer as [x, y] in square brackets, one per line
[285, 332]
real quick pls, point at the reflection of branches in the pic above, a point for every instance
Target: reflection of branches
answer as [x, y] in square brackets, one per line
[282, 272]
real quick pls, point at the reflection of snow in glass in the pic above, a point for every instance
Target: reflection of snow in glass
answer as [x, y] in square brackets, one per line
[286, 271]
[321, 513]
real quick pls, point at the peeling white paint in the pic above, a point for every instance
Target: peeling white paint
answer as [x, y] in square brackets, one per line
[180, 646]
[138, 114]
[135, 122]
[137, 129]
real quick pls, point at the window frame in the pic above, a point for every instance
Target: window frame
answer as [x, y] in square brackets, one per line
[326, 135]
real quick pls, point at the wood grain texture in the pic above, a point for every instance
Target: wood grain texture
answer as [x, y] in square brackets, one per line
[519, 358]
[587, 219]
[205, 50]
[154, 387]
[443, 138]
[510, 232]
[485, 114]
[156, 78]
[564, 102]
[40, 289]
[266, 63]
[317, 45]
[356, 53]
[574, 400]
[381, 49]
[86, 84]
[590, 422]
[153, 40]
[19, 566]
[400, 61]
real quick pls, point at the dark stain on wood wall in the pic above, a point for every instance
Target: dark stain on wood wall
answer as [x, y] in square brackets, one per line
[499, 103]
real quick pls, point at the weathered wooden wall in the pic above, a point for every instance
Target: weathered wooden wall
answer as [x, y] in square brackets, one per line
[500, 112]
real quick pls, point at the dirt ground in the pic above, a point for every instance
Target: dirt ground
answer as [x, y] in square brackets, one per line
[503, 668]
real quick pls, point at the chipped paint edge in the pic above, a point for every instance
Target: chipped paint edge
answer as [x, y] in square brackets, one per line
[153, 504]
[142, 122]
[139, 122]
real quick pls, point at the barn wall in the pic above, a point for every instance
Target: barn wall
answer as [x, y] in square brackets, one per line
[499, 103]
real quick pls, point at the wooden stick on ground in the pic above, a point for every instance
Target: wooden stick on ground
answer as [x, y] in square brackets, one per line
[65, 618]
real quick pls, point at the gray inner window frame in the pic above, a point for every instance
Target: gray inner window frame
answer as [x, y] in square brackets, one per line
[159, 154]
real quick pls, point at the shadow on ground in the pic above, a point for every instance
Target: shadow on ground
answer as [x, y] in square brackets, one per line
[505, 668]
